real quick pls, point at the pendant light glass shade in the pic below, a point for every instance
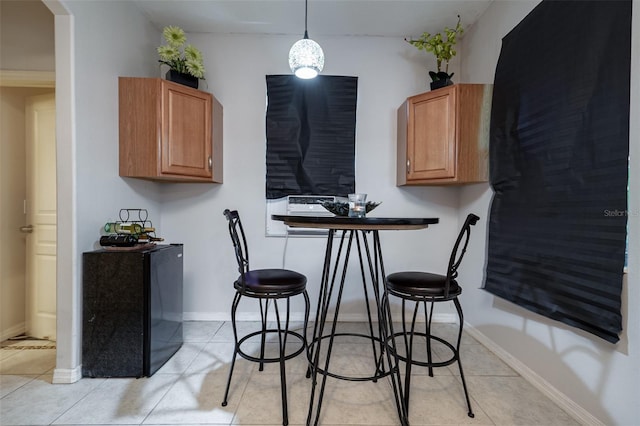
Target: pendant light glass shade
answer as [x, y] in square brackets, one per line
[306, 57]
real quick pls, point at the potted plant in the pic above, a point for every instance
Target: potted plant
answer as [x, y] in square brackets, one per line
[184, 61]
[442, 46]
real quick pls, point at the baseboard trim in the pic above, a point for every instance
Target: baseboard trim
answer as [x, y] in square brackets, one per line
[567, 404]
[206, 316]
[67, 375]
[299, 316]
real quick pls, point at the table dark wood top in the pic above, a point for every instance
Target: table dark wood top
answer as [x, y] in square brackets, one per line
[361, 223]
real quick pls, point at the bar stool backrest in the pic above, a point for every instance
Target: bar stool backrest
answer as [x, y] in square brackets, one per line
[236, 231]
[458, 251]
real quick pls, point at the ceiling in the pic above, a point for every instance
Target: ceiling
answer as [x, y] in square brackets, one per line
[388, 18]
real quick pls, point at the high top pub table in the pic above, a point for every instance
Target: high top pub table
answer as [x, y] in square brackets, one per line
[364, 232]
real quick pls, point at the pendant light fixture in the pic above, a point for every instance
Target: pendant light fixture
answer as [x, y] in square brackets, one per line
[306, 57]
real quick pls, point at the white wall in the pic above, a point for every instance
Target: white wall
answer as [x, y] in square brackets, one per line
[103, 53]
[388, 71]
[600, 377]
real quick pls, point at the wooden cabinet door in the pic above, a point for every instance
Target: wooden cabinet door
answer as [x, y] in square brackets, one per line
[431, 138]
[169, 132]
[186, 132]
[443, 136]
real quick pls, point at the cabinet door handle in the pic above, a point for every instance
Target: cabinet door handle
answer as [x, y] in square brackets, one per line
[408, 166]
[210, 163]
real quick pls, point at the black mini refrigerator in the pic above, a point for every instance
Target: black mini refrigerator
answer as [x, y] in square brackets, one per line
[132, 310]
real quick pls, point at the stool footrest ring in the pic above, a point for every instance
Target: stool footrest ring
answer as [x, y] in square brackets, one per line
[454, 356]
[297, 352]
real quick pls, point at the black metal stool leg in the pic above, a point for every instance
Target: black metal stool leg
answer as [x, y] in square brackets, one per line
[394, 362]
[427, 318]
[263, 317]
[409, 356]
[305, 326]
[464, 383]
[234, 306]
[282, 341]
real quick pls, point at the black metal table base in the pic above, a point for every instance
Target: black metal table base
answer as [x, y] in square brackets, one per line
[332, 286]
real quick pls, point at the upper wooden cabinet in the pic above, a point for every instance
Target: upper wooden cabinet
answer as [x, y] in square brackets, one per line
[443, 136]
[169, 132]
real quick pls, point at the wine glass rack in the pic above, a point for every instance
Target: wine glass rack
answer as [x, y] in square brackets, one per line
[139, 216]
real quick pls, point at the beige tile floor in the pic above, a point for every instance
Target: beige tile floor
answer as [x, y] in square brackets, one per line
[189, 388]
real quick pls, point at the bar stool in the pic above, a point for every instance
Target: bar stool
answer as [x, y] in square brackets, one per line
[265, 285]
[423, 288]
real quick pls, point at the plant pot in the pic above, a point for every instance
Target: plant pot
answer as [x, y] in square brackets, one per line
[181, 78]
[441, 83]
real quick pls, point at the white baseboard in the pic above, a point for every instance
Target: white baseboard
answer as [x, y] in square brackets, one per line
[14, 331]
[574, 410]
[206, 316]
[298, 316]
[67, 375]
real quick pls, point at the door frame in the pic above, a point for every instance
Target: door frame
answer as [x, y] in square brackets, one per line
[69, 313]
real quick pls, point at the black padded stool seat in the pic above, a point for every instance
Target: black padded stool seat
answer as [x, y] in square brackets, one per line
[277, 281]
[422, 284]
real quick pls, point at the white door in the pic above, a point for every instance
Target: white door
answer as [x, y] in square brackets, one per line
[41, 216]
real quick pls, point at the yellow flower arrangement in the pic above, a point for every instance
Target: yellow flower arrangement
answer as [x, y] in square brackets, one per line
[185, 60]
